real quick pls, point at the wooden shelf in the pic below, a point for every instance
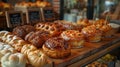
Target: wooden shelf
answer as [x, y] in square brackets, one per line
[89, 53]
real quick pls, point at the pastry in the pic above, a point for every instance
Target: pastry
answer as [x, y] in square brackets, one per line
[92, 34]
[56, 48]
[37, 58]
[5, 48]
[13, 40]
[37, 38]
[22, 31]
[13, 60]
[107, 30]
[52, 28]
[84, 22]
[26, 49]
[74, 38]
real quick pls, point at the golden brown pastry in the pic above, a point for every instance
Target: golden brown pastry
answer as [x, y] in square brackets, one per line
[26, 49]
[101, 22]
[92, 34]
[56, 48]
[107, 30]
[22, 31]
[37, 38]
[37, 58]
[53, 28]
[42, 4]
[84, 22]
[74, 38]
[13, 40]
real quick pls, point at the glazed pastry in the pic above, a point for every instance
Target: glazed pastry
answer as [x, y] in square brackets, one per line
[92, 34]
[37, 38]
[56, 48]
[13, 60]
[22, 31]
[37, 58]
[74, 38]
[53, 28]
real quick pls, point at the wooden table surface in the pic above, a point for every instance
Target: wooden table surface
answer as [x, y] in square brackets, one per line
[90, 52]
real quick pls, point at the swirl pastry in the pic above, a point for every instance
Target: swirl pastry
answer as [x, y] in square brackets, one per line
[74, 38]
[56, 48]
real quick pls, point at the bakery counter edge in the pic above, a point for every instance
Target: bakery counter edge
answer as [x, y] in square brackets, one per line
[89, 53]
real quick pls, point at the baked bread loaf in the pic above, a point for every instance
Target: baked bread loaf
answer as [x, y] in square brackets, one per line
[37, 58]
[74, 38]
[37, 38]
[56, 48]
[92, 34]
[13, 60]
[22, 31]
[53, 28]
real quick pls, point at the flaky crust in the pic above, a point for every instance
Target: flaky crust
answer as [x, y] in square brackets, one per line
[92, 34]
[37, 38]
[56, 48]
[72, 35]
[22, 31]
[56, 53]
[74, 38]
[53, 28]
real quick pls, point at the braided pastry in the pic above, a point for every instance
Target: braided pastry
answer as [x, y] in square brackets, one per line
[53, 28]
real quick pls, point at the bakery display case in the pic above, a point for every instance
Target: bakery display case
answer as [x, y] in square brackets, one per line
[58, 43]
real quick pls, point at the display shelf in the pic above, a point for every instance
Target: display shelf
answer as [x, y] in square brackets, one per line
[89, 53]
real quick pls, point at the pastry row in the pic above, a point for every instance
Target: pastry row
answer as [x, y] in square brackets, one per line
[31, 54]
